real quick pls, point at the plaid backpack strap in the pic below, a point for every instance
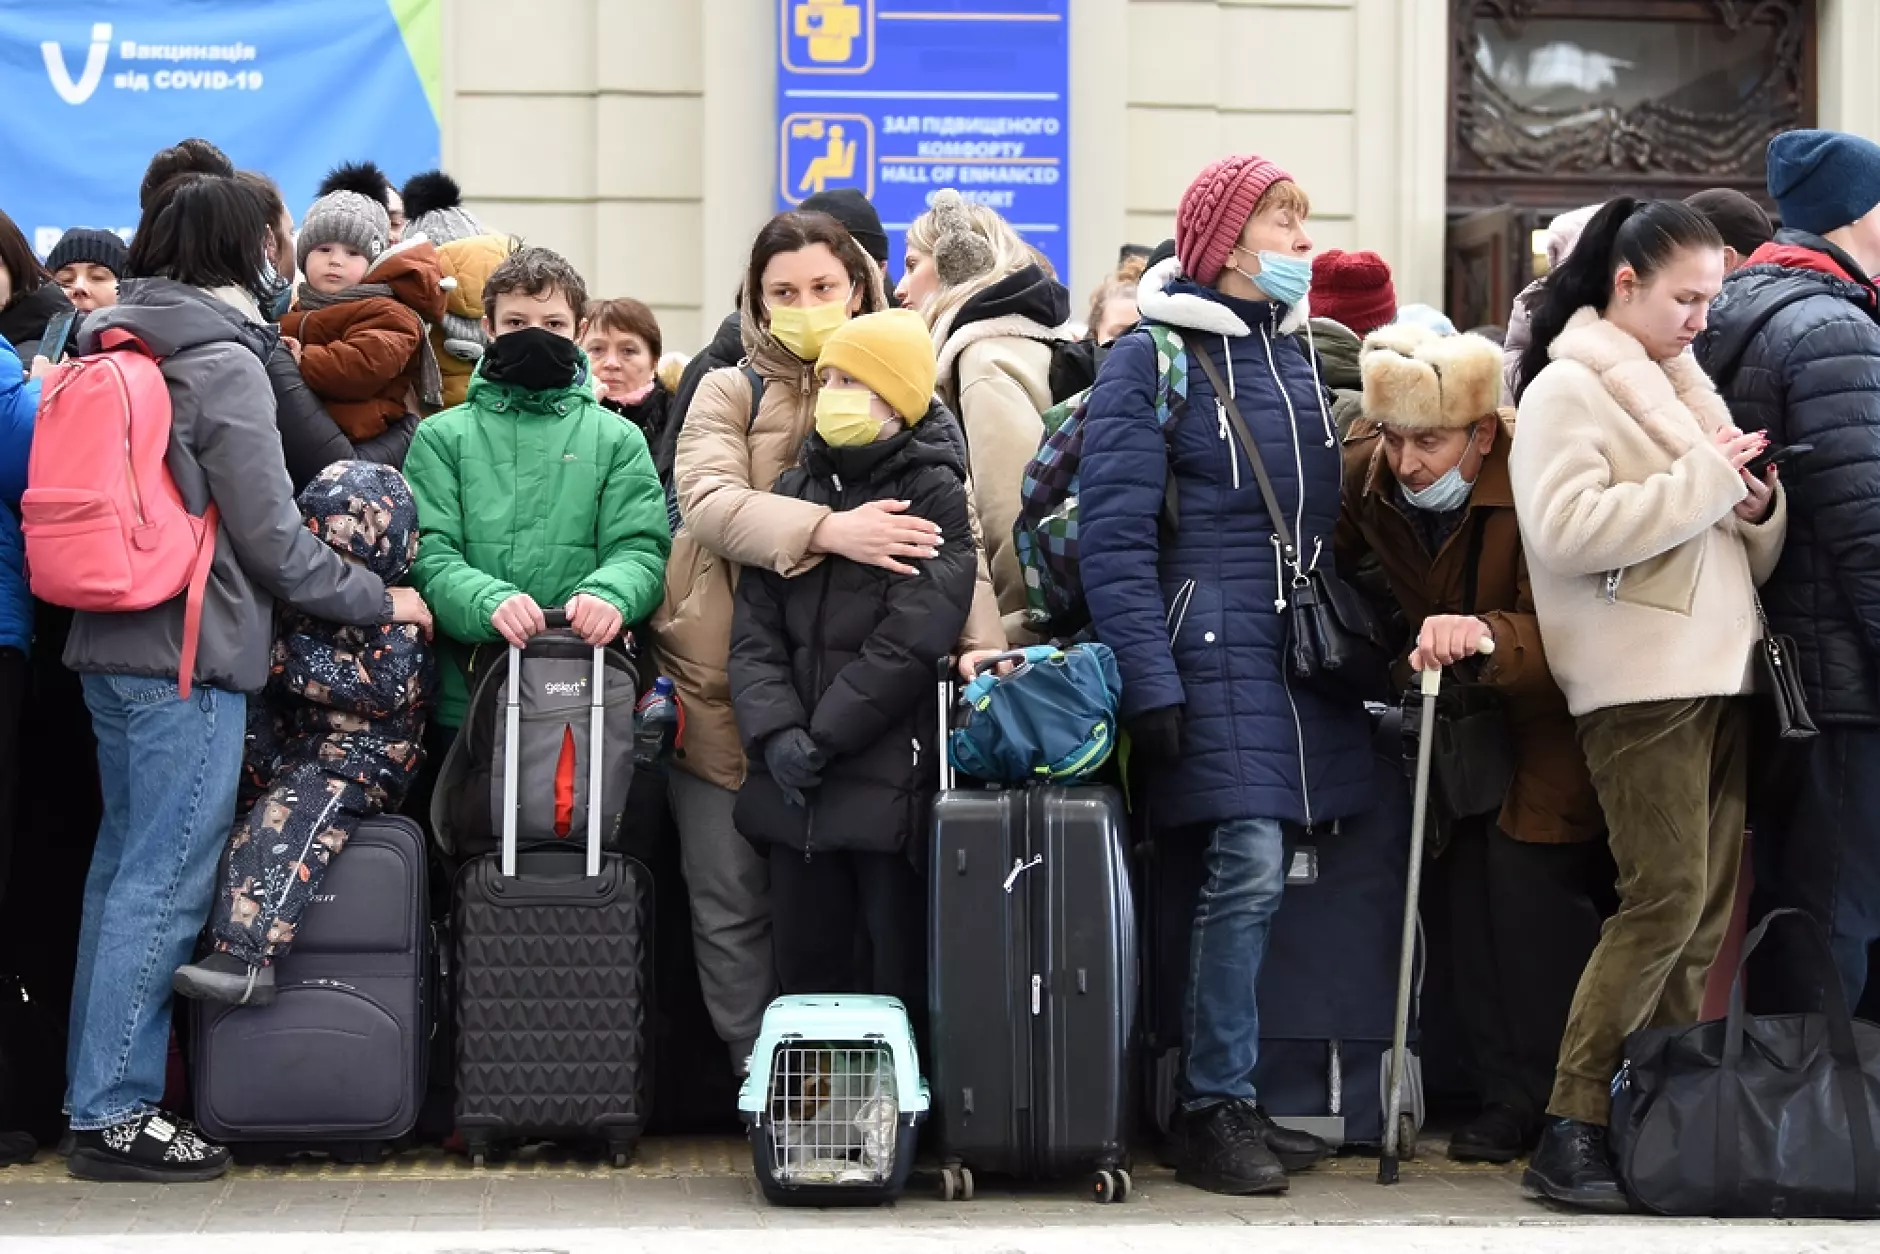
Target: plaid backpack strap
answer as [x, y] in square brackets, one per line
[1171, 398]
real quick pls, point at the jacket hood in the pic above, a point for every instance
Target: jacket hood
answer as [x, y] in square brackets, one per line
[1337, 347]
[766, 351]
[415, 275]
[1168, 296]
[1793, 266]
[934, 441]
[170, 317]
[1027, 293]
[470, 261]
[24, 321]
[364, 511]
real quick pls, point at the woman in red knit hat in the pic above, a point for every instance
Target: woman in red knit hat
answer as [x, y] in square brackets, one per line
[1228, 750]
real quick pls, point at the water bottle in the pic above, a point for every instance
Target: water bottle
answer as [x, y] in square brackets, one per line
[655, 725]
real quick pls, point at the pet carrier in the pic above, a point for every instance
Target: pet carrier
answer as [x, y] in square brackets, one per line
[834, 1100]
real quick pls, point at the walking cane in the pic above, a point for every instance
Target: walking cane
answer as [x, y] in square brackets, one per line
[1432, 682]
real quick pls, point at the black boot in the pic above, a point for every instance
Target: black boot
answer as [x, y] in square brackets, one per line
[152, 1148]
[1295, 1150]
[1223, 1150]
[225, 978]
[17, 1147]
[1498, 1135]
[1571, 1166]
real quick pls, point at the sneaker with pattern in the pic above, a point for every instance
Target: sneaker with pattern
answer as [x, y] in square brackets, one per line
[151, 1148]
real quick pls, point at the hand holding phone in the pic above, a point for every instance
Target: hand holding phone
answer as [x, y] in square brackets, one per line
[58, 336]
[1775, 455]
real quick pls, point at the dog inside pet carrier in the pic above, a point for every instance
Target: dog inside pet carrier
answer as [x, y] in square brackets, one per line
[834, 1100]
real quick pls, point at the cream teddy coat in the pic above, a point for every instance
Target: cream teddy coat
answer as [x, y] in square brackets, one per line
[1644, 577]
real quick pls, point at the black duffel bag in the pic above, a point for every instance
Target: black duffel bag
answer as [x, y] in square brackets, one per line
[1769, 1118]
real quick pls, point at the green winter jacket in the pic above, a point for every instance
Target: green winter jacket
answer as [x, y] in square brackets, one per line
[539, 492]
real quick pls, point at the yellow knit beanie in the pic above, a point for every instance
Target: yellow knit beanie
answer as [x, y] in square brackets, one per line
[890, 352]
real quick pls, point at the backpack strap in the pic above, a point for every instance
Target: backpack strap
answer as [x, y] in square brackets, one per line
[192, 606]
[755, 382]
[1171, 397]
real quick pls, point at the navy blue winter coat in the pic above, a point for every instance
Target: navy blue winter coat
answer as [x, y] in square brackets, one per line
[19, 399]
[1794, 344]
[1191, 615]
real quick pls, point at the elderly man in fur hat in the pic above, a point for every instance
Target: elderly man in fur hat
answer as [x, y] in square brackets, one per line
[1519, 891]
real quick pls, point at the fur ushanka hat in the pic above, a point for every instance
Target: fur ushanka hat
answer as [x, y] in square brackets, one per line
[1415, 379]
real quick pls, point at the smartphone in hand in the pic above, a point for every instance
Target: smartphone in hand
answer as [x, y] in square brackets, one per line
[1776, 455]
[58, 336]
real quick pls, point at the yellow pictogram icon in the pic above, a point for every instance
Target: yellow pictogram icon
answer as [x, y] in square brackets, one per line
[830, 29]
[837, 163]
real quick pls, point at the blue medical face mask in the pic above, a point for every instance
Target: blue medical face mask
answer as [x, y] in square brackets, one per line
[1284, 278]
[1448, 493]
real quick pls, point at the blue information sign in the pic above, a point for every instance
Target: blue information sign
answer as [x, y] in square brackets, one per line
[900, 98]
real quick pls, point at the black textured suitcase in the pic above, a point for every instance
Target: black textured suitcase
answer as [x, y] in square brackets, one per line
[337, 1062]
[1033, 984]
[553, 976]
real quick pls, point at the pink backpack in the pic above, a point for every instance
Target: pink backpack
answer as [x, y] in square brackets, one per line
[106, 528]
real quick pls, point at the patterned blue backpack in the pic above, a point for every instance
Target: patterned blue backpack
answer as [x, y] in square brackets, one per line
[1045, 536]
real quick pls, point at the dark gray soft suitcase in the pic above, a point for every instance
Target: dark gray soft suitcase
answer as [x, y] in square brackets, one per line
[337, 1062]
[1033, 983]
[553, 974]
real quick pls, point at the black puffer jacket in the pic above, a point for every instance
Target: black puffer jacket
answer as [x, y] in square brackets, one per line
[310, 439]
[1794, 345]
[847, 651]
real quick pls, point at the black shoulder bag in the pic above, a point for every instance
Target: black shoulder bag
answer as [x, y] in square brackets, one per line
[1334, 643]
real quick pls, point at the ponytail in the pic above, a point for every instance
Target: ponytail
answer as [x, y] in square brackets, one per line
[1643, 234]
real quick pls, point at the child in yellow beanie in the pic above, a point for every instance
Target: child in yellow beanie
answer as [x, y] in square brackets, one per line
[832, 674]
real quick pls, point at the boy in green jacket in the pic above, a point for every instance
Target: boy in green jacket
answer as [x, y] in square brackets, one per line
[529, 493]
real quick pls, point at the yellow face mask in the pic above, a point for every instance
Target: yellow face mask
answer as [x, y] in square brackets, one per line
[843, 419]
[805, 331]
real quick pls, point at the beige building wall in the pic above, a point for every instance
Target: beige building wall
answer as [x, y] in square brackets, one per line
[637, 136]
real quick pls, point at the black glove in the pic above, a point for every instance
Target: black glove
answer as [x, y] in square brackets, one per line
[794, 762]
[1155, 736]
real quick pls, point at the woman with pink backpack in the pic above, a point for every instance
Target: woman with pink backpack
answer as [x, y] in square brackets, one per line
[170, 736]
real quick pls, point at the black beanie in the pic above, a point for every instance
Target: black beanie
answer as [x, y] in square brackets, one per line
[100, 248]
[852, 210]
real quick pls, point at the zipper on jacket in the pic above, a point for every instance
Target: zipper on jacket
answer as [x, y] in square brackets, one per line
[1299, 526]
[1612, 585]
[1227, 438]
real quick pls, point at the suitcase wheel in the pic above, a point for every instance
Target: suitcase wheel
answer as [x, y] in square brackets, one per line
[1406, 1137]
[1125, 1185]
[956, 1184]
[1103, 1187]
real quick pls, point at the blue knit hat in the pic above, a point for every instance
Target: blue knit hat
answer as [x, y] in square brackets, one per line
[1823, 180]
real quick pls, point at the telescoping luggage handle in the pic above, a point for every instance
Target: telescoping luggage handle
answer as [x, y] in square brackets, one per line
[557, 620]
[1431, 682]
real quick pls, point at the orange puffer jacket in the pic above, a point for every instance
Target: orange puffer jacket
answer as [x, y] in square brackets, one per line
[362, 357]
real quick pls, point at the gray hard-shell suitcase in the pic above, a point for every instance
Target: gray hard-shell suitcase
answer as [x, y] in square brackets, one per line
[337, 1061]
[1033, 982]
[553, 973]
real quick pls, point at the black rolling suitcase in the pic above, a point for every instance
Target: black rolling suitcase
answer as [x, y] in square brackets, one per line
[337, 1062]
[1328, 982]
[1033, 979]
[553, 974]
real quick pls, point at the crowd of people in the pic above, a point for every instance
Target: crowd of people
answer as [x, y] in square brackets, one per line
[420, 435]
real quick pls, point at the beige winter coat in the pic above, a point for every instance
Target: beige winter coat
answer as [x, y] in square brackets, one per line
[1003, 371]
[723, 472]
[1643, 575]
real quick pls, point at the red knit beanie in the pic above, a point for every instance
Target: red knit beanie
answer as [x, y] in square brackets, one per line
[1354, 290]
[1215, 208]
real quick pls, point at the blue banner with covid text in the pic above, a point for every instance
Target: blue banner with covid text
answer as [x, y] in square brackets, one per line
[289, 87]
[900, 98]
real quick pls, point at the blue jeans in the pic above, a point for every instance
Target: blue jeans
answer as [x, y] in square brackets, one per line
[169, 770]
[1246, 873]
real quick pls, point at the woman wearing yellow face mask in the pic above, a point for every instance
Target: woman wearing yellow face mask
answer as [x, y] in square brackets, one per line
[746, 425]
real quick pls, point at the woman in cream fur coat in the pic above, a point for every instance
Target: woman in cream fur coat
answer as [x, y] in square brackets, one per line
[1645, 540]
